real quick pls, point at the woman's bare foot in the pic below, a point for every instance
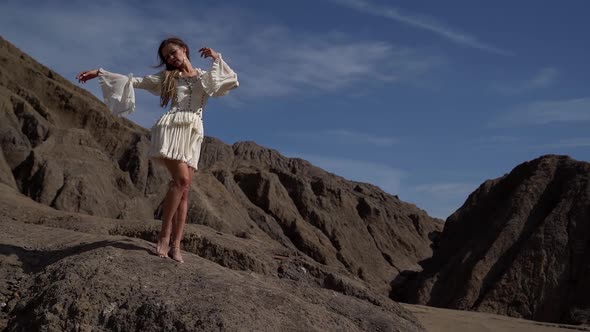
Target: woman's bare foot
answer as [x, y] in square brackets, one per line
[175, 254]
[162, 248]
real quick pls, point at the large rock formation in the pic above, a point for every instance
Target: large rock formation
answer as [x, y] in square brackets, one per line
[62, 148]
[519, 246]
[65, 150]
[55, 279]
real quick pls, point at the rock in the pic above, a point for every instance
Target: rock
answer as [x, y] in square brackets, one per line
[86, 282]
[519, 246]
[6, 173]
[65, 150]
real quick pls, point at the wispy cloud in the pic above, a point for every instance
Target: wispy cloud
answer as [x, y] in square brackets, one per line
[504, 139]
[271, 60]
[343, 136]
[327, 63]
[571, 143]
[496, 143]
[384, 176]
[421, 21]
[73, 36]
[546, 112]
[542, 79]
[444, 198]
[352, 136]
[446, 190]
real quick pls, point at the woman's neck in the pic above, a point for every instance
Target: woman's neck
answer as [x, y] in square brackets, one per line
[187, 69]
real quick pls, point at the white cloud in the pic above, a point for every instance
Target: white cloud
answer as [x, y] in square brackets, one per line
[308, 64]
[421, 22]
[443, 198]
[542, 79]
[546, 112]
[442, 212]
[74, 36]
[494, 143]
[271, 60]
[343, 136]
[571, 143]
[359, 137]
[503, 139]
[446, 190]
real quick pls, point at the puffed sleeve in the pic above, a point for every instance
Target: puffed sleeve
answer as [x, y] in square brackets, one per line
[220, 79]
[118, 90]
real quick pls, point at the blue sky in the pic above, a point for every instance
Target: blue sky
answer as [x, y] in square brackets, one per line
[424, 99]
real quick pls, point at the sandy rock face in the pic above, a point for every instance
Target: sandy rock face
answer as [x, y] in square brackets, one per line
[308, 249]
[519, 246]
[62, 148]
[62, 280]
[337, 222]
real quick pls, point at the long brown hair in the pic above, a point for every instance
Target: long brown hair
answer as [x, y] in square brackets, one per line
[171, 73]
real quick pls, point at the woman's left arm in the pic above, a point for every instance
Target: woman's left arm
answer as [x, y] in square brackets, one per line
[221, 78]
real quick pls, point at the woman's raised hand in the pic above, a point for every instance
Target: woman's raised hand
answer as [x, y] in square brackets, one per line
[207, 52]
[87, 75]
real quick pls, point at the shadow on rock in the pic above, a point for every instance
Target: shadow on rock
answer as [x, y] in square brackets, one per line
[34, 261]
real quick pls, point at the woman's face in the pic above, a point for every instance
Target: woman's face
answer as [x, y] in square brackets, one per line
[174, 55]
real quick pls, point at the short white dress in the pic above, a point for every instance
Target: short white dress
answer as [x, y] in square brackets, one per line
[178, 134]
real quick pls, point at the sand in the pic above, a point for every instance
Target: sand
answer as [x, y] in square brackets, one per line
[445, 320]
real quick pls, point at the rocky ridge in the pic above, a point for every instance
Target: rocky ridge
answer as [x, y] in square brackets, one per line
[252, 211]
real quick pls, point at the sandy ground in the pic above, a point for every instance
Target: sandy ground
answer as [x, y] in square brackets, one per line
[445, 320]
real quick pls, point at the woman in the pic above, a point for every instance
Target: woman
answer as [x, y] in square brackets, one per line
[177, 136]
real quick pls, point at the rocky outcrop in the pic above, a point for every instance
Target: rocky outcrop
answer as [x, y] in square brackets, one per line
[61, 147]
[53, 279]
[355, 226]
[519, 246]
[321, 245]
[65, 151]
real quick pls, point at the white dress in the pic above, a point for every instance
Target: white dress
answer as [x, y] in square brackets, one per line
[178, 134]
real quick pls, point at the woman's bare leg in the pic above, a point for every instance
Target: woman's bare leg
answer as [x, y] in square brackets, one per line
[165, 229]
[178, 189]
[174, 222]
[179, 223]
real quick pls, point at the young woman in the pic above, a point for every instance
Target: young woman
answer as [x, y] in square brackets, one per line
[177, 136]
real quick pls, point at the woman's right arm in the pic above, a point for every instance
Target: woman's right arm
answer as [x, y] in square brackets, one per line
[118, 90]
[87, 75]
[151, 83]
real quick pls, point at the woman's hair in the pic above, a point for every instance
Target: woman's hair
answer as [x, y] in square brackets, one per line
[171, 73]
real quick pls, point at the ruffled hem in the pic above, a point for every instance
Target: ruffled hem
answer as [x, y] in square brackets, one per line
[179, 118]
[162, 157]
[177, 142]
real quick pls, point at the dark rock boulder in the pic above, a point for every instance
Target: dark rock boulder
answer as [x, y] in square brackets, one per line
[519, 246]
